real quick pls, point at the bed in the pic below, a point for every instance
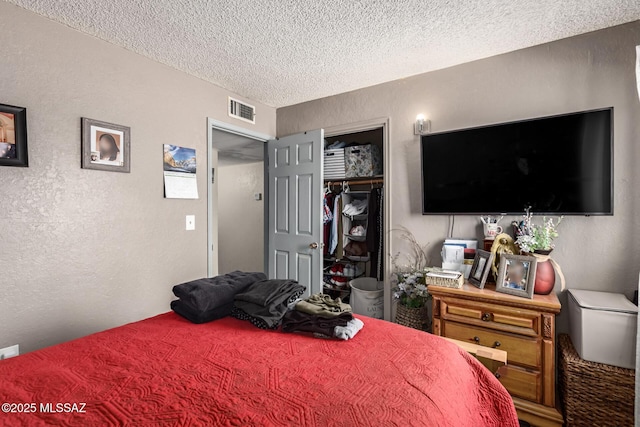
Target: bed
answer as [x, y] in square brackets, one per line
[166, 371]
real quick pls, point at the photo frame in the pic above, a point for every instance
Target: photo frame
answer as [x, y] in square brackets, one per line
[105, 146]
[480, 269]
[13, 136]
[517, 275]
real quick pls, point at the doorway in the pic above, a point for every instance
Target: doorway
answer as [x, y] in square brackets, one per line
[236, 198]
[233, 144]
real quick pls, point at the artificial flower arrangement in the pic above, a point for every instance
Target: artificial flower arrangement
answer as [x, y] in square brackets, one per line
[410, 289]
[534, 238]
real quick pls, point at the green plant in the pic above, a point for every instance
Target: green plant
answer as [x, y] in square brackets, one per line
[533, 237]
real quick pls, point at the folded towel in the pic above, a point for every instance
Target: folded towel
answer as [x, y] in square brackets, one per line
[296, 321]
[323, 305]
[264, 303]
[200, 317]
[349, 331]
[204, 295]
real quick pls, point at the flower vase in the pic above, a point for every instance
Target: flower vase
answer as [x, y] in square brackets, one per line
[545, 273]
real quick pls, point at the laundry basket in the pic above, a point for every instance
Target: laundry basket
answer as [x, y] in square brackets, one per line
[367, 297]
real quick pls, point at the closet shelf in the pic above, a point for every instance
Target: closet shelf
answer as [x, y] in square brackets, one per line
[358, 258]
[356, 238]
[345, 291]
[360, 217]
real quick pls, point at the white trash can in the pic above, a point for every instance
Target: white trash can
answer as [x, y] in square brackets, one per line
[367, 297]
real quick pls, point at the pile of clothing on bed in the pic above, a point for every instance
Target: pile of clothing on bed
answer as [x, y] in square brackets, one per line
[322, 316]
[265, 303]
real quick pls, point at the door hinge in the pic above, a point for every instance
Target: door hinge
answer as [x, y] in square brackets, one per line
[213, 175]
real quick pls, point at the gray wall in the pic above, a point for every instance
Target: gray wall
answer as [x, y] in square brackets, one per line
[585, 72]
[84, 250]
[240, 217]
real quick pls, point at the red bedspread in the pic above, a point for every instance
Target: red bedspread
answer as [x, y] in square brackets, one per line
[165, 371]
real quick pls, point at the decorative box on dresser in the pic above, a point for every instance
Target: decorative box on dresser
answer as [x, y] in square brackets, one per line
[524, 328]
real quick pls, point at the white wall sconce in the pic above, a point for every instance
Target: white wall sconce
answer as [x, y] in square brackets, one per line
[421, 126]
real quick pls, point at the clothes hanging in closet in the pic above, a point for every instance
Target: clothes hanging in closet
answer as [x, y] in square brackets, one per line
[374, 234]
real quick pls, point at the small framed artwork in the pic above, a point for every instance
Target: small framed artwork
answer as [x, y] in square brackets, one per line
[516, 275]
[480, 269]
[13, 136]
[105, 146]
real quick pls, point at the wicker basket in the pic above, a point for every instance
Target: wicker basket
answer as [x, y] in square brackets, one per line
[415, 318]
[594, 394]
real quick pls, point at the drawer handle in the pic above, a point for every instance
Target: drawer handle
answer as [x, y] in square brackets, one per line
[477, 340]
[497, 374]
[496, 344]
[486, 317]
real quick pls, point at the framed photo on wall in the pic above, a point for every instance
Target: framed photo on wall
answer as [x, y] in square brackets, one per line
[517, 275]
[480, 269]
[13, 136]
[105, 146]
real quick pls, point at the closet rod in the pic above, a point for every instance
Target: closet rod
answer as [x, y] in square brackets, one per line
[360, 181]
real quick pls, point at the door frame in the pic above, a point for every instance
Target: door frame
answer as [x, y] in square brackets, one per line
[212, 186]
[385, 124]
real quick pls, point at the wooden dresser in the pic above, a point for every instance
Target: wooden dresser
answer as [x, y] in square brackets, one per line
[524, 328]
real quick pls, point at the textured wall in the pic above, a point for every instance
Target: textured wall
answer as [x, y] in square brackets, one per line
[240, 218]
[84, 250]
[585, 72]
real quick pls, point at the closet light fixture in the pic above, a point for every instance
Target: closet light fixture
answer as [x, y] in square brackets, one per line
[421, 126]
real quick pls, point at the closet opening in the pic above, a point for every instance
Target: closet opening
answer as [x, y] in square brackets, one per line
[354, 213]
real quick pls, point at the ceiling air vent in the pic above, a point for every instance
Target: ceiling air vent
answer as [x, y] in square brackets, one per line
[242, 111]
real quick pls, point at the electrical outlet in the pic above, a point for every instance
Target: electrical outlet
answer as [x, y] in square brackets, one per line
[8, 352]
[191, 222]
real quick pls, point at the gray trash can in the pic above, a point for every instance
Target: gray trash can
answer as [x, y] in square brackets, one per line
[367, 297]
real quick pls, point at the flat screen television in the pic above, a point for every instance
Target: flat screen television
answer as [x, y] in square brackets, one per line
[560, 165]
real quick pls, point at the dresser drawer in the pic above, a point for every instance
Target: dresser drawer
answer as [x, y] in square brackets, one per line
[521, 383]
[506, 319]
[520, 350]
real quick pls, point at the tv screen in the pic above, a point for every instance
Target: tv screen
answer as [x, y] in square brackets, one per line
[559, 165]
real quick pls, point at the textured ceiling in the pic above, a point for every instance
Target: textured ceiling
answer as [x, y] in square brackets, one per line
[285, 52]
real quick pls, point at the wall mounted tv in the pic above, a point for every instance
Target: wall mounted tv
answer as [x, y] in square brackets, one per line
[560, 165]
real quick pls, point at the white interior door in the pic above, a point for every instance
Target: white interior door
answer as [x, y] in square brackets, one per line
[295, 210]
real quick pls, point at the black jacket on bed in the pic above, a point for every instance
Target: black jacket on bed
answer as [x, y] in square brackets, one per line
[296, 321]
[265, 303]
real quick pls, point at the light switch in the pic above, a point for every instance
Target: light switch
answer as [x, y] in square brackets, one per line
[191, 222]
[257, 196]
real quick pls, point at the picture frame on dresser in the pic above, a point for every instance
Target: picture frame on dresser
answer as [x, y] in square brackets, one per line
[516, 275]
[13, 136]
[480, 268]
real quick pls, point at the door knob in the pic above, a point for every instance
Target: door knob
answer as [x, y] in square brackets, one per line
[314, 245]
